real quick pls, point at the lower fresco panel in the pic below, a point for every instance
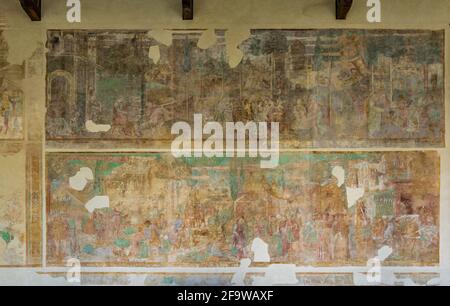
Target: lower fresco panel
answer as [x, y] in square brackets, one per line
[319, 209]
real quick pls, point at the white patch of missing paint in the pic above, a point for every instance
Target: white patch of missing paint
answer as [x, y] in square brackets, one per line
[260, 250]
[80, 180]
[379, 276]
[154, 54]
[207, 40]
[353, 195]
[97, 202]
[275, 274]
[384, 252]
[235, 57]
[339, 173]
[92, 127]
[162, 36]
[239, 276]
[233, 38]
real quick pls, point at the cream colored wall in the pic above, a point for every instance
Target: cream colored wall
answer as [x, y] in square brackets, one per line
[23, 37]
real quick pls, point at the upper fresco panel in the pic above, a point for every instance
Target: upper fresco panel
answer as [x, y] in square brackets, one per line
[326, 88]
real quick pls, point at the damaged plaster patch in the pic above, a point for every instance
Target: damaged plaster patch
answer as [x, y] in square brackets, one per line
[277, 274]
[92, 127]
[239, 275]
[339, 173]
[379, 276]
[233, 38]
[207, 40]
[353, 195]
[26, 277]
[260, 250]
[154, 54]
[80, 180]
[442, 280]
[97, 202]
[384, 252]
[162, 36]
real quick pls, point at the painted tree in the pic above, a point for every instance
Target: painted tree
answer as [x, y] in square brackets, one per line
[428, 51]
[326, 52]
[392, 46]
[128, 59]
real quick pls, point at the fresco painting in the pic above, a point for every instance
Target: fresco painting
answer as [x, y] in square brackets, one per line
[20, 159]
[12, 208]
[124, 89]
[316, 209]
[327, 88]
[11, 95]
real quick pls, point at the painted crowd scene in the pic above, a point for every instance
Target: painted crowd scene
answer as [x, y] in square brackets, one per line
[314, 209]
[326, 88]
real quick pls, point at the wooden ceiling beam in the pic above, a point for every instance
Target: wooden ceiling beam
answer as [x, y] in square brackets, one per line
[32, 8]
[342, 8]
[188, 9]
